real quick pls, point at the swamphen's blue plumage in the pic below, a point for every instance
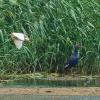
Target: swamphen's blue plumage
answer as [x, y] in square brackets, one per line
[73, 59]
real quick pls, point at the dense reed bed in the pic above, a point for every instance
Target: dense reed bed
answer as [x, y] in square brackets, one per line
[53, 27]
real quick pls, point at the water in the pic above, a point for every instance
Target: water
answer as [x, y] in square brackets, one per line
[45, 82]
[45, 97]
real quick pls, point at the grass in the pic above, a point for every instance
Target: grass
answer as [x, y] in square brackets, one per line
[53, 27]
[48, 77]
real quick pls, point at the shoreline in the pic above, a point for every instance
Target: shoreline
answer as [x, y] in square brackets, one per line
[80, 91]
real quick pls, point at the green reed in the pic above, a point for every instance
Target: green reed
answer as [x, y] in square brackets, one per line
[53, 27]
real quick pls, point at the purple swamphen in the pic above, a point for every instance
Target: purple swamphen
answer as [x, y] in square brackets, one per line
[72, 61]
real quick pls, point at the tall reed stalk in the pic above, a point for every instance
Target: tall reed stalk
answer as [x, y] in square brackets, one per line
[53, 27]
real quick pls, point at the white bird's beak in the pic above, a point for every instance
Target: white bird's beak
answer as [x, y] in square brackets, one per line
[26, 38]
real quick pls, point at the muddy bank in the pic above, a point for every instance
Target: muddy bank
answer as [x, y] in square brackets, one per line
[52, 91]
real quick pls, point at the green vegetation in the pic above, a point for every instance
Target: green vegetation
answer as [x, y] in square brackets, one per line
[53, 27]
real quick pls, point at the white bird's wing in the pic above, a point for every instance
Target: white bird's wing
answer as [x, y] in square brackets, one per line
[18, 43]
[19, 36]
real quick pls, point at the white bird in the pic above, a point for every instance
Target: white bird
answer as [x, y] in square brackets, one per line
[18, 39]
